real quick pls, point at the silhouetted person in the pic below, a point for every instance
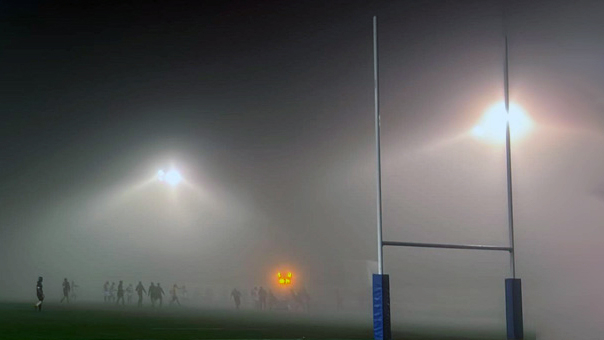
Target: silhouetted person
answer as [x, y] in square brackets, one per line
[39, 294]
[112, 292]
[66, 289]
[106, 292]
[236, 297]
[140, 290]
[174, 293]
[152, 294]
[129, 292]
[160, 293]
[120, 293]
[262, 298]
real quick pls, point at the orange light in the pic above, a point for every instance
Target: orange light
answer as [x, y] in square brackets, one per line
[284, 279]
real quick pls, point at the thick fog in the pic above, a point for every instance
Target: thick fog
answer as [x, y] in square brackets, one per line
[268, 116]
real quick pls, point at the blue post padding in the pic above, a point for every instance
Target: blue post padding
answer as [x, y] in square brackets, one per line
[513, 309]
[378, 317]
[381, 307]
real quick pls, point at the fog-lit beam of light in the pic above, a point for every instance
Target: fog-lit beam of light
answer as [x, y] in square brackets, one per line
[125, 194]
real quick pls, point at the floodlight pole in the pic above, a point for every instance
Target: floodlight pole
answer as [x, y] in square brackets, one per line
[381, 282]
[377, 147]
[508, 154]
[513, 286]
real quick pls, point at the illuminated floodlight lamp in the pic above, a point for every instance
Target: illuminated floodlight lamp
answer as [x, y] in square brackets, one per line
[492, 126]
[172, 177]
[284, 280]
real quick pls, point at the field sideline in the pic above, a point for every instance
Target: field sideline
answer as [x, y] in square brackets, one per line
[101, 322]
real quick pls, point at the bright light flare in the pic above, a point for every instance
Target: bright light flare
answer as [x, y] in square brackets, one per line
[172, 177]
[284, 280]
[492, 126]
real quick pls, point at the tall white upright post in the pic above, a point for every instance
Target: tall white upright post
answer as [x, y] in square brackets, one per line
[513, 286]
[377, 147]
[381, 283]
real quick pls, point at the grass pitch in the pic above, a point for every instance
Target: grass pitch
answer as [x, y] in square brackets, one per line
[102, 322]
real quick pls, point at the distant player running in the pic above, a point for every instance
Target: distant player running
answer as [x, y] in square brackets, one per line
[66, 289]
[174, 294]
[120, 293]
[160, 293]
[152, 294]
[236, 297]
[40, 294]
[140, 290]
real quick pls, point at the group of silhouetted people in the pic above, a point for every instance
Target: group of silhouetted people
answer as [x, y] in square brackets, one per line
[112, 294]
[67, 289]
[156, 293]
[261, 299]
[266, 300]
[259, 296]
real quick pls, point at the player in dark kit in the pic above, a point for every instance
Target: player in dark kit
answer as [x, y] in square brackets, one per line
[160, 293]
[140, 290]
[66, 289]
[236, 297]
[40, 294]
[120, 293]
[152, 294]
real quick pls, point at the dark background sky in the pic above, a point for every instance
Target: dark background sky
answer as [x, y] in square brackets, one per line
[266, 107]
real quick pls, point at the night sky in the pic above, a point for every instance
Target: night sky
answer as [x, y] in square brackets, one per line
[267, 107]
